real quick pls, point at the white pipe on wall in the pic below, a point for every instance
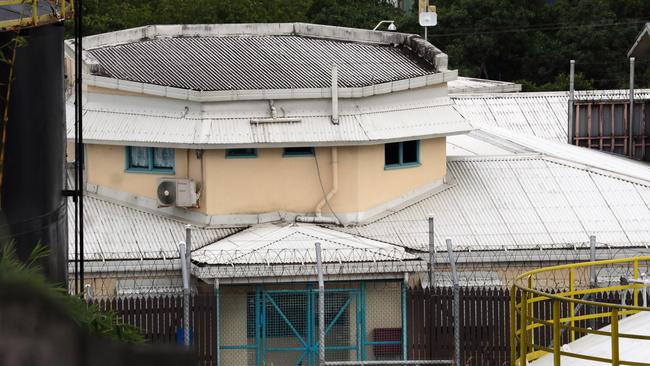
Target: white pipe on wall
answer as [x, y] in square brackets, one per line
[335, 94]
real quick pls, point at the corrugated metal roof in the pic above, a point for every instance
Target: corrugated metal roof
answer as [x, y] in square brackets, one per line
[463, 85]
[250, 62]
[288, 249]
[115, 231]
[135, 125]
[542, 115]
[521, 202]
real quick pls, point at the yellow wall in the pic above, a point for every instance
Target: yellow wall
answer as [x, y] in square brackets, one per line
[272, 182]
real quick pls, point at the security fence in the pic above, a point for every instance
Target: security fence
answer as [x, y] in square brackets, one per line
[484, 323]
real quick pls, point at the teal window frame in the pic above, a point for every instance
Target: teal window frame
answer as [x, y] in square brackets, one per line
[401, 164]
[151, 169]
[288, 153]
[239, 154]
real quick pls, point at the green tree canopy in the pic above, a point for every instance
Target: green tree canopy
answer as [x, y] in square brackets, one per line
[529, 41]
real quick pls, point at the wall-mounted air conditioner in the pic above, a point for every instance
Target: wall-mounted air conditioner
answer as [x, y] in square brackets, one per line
[179, 192]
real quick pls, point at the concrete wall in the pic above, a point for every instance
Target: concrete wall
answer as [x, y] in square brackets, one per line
[272, 182]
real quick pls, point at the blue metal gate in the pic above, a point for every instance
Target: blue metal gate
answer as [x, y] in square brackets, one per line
[288, 321]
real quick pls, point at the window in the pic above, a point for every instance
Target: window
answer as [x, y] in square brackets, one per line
[402, 154]
[298, 151]
[241, 153]
[150, 159]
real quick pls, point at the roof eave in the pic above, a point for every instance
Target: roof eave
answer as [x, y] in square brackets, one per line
[268, 94]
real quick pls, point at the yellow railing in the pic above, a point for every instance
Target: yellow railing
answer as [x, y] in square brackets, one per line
[563, 317]
[31, 17]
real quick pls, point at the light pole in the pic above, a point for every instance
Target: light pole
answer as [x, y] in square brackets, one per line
[391, 26]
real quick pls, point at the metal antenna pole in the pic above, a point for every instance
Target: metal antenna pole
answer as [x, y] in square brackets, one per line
[456, 307]
[593, 276]
[571, 98]
[321, 306]
[631, 117]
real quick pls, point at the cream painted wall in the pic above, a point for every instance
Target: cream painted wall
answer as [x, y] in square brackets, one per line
[105, 166]
[272, 182]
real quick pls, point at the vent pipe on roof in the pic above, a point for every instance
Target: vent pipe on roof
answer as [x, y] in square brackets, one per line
[335, 95]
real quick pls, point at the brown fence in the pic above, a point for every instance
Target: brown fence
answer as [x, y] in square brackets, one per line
[161, 317]
[484, 320]
[484, 324]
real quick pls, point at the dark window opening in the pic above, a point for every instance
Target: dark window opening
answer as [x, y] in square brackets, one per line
[298, 151]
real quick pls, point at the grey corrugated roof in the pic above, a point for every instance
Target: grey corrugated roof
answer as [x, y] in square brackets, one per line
[249, 62]
[114, 231]
[522, 202]
[130, 120]
[543, 115]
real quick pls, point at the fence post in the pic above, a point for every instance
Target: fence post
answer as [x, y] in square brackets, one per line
[523, 343]
[186, 294]
[321, 306]
[614, 337]
[217, 323]
[431, 252]
[404, 319]
[631, 117]
[556, 332]
[456, 304]
[571, 93]
[513, 325]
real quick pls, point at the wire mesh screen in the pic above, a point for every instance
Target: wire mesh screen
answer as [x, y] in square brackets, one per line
[278, 324]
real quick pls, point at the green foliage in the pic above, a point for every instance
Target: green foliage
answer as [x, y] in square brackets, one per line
[530, 41]
[25, 278]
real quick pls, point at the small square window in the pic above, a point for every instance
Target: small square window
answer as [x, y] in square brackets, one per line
[402, 154]
[241, 153]
[298, 151]
[410, 152]
[392, 153]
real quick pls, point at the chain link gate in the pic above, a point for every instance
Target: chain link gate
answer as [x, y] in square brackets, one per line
[289, 326]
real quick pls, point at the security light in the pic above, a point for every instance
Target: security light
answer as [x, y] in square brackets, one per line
[391, 26]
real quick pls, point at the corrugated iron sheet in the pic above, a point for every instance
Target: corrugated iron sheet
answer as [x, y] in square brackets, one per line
[435, 117]
[522, 202]
[114, 231]
[250, 62]
[287, 243]
[544, 115]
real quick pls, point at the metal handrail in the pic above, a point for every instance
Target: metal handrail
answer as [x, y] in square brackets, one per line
[66, 8]
[522, 342]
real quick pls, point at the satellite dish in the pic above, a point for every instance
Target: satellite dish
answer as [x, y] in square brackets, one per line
[428, 19]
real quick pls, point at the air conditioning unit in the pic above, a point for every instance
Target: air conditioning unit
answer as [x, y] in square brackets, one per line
[179, 192]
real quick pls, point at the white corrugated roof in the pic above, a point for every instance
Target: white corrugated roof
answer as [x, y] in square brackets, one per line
[288, 249]
[522, 202]
[142, 121]
[114, 231]
[463, 85]
[543, 115]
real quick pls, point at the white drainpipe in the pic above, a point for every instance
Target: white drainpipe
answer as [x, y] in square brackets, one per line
[335, 182]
